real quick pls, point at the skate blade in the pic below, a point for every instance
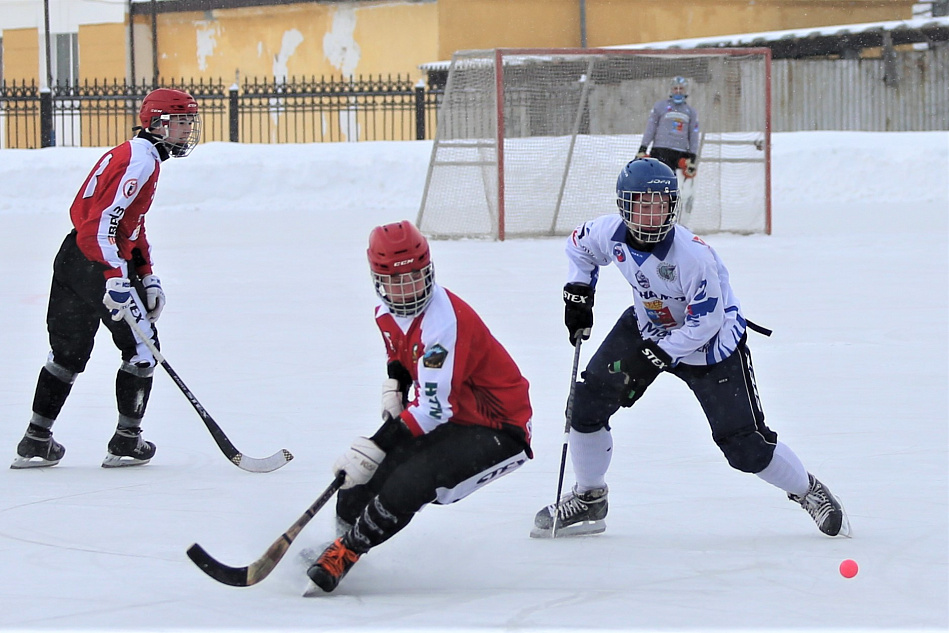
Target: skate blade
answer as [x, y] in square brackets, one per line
[21, 463]
[586, 528]
[844, 521]
[114, 461]
[313, 591]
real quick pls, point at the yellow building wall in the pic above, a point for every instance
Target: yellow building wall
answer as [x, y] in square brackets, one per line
[102, 61]
[482, 24]
[21, 61]
[103, 52]
[21, 55]
[300, 40]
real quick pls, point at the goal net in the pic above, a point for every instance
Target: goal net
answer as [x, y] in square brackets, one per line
[530, 141]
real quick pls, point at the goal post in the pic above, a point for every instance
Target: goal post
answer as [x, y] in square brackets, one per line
[529, 142]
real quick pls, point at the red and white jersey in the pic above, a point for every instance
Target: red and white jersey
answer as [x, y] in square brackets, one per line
[109, 210]
[462, 373]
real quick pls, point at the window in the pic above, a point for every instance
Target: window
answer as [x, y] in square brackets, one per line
[65, 60]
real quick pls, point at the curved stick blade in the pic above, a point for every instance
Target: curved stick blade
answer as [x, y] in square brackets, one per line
[233, 576]
[265, 465]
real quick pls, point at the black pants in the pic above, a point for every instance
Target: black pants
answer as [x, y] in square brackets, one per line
[75, 309]
[726, 391]
[439, 467]
[668, 156]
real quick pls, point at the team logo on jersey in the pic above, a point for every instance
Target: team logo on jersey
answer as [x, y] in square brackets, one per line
[618, 253]
[659, 314]
[129, 187]
[642, 280]
[666, 271]
[435, 357]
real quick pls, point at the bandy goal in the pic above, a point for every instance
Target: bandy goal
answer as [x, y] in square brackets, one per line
[530, 141]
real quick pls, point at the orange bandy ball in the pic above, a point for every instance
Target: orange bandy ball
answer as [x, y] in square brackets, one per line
[848, 568]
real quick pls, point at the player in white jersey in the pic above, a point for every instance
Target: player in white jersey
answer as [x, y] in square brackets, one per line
[685, 320]
[102, 269]
[456, 409]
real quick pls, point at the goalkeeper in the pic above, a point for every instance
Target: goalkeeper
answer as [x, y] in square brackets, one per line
[673, 131]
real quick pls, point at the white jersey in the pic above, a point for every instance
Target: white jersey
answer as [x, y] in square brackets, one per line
[681, 293]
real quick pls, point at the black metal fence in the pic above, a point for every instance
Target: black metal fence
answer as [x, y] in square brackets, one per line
[101, 114]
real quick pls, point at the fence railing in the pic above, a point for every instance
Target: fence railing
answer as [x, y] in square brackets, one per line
[311, 110]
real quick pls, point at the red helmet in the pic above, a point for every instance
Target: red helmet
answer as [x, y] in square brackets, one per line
[401, 267]
[163, 106]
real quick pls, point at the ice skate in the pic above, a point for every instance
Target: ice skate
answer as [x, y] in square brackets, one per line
[127, 448]
[332, 565]
[824, 508]
[578, 514]
[37, 452]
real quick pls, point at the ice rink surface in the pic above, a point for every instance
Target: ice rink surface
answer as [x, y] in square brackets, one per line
[261, 250]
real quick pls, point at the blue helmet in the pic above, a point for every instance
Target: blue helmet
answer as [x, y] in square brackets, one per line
[647, 194]
[679, 89]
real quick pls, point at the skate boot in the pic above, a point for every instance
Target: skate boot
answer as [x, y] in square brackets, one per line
[37, 451]
[579, 513]
[127, 448]
[334, 563]
[824, 508]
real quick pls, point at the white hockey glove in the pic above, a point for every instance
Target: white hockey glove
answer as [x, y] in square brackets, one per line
[154, 297]
[359, 462]
[391, 398]
[117, 297]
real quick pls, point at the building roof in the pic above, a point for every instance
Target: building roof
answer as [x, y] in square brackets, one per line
[842, 40]
[822, 41]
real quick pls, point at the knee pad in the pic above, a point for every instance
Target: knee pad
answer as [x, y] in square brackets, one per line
[593, 405]
[68, 376]
[142, 369]
[747, 452]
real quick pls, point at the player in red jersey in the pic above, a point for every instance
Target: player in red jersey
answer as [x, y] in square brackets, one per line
[102, 270]
[456, 409]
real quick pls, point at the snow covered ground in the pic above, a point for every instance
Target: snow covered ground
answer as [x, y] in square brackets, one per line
[269, 321]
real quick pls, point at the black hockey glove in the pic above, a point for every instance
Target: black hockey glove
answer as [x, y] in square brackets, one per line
[397, 370]
[578, 311]
[643, 152]
[640, 369]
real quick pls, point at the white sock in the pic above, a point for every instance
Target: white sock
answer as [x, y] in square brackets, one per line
[786, 471]
[591, 454]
